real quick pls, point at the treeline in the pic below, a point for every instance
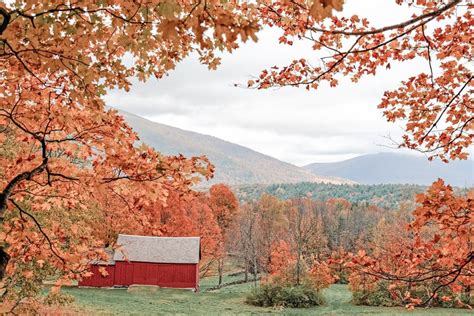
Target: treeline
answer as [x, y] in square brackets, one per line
[387, 196]
[313, 229]
[302, 245]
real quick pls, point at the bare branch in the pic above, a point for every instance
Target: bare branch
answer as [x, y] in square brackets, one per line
[446, 108]
[402, 25]
[38, 225]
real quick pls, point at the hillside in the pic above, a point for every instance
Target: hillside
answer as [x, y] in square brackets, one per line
[234, 164]
[397, 168]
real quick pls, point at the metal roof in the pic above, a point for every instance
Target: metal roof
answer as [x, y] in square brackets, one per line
[158, 249]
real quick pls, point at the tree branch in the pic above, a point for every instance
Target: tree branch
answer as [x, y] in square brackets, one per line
[446, 107]
[38, 225]
[457, 274]
[27, 175]
[6, 19]
[394, 26]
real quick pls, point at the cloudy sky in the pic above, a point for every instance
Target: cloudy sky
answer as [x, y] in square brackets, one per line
[290, 124]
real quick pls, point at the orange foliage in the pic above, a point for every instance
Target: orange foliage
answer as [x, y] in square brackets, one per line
[282, 257]
[435, 104]
[283, 269]
[224, 204]
[72, 176]
[436, 252]
[272, 225]
[320, 275]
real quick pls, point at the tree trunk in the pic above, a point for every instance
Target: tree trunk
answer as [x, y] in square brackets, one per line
[5, 195]
[220, 270]
[246, 275]
[255, 267]
[298, 266]
[4, 257]
[255, 271]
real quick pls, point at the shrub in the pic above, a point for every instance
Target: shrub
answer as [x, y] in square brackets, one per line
[381, 293]
[273, 295]
[316, 276]
[288, 286]
[378, 295]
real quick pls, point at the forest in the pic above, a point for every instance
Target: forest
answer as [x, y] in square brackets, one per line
[312, 244]
[387, 196]
[74, 175]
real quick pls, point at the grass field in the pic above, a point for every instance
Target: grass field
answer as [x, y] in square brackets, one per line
[226, 301]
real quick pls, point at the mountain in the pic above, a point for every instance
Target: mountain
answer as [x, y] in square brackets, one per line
[234, 164]
[397, 168]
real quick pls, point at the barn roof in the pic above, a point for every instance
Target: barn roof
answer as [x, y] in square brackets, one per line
[158, 249]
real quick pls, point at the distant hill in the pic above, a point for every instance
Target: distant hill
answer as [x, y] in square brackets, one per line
[397, 168]
[234, 164]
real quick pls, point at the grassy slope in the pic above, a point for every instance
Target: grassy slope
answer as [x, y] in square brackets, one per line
[227, 301]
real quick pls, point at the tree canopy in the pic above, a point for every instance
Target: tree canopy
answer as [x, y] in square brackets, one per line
[73, 170]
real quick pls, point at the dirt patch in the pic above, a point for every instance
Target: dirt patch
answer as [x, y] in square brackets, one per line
[143, 289]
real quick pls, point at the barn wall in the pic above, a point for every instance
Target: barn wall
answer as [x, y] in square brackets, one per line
[97, 280]
[123, 273]
[161, 274]
[197, 277]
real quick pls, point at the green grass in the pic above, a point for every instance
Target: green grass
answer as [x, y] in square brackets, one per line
[226, 301]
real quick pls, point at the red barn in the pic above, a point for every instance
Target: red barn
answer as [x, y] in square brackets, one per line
[143, 260]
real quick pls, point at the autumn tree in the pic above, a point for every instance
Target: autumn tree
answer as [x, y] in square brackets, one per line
[58, 59]
[306, 233]
[225, 207]
[282, 257]
[347, 225]
[272, 224]
[435, 105]
[430, 261]
[258, 226]
[207, 228]
[389, 239]
[185, 215]
[247, 238]
[287, 272]
[63, 176]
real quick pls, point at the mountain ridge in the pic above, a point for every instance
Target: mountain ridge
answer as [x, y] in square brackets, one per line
[397, 168]
[235, 164]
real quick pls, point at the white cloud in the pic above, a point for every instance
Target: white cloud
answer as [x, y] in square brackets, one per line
[290, 124]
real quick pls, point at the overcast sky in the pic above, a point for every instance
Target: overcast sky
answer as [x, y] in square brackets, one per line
[290, 124]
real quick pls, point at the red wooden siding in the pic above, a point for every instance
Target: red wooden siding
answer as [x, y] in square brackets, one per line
[97, 279]
[197, 277]
[162, 274]
[123, 273]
